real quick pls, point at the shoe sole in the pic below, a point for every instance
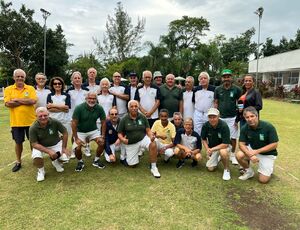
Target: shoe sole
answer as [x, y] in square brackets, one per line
[79, 170]
[99, 167]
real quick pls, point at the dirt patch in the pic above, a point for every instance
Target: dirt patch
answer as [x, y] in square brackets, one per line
[257, 212]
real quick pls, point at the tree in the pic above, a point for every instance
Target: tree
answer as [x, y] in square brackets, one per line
[122, 39]
[21, 44]
[269, 48]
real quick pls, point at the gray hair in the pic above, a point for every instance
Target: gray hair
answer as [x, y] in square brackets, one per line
[147, 71]
[42, 74]
[204, 73]
[132, 101]
[177, 114]
[188, 119]
[74, 73]
[19, 70]
[191, 77]
[103, 80]
[164, 111]
[250, 109]
[41, 109]
[90, 93]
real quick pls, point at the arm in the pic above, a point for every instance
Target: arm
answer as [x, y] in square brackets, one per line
[216, 103]
[64, 142]
[57, 108]
[123, 138]
[74, 124]
[150, 134]
[181, 106]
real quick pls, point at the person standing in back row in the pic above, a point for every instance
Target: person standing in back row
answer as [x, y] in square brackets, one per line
[226, 97]
[20, 99]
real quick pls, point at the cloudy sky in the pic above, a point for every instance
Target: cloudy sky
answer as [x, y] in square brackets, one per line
[83, 19]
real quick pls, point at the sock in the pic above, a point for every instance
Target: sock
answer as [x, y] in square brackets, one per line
[97, 158]
[153, 165]
[80, 160]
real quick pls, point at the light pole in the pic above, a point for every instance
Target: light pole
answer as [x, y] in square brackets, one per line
[259, 12]
[46, 14]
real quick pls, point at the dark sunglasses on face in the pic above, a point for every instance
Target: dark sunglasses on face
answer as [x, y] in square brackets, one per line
[114, 114]
[56, 83]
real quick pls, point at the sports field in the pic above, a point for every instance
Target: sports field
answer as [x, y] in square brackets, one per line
[124, 198]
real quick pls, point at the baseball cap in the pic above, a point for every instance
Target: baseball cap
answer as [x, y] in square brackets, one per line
[132, 74]
[157, 74]
[226, 72]
[213, 111]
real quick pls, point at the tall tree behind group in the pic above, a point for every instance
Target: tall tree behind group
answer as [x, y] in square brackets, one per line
[122, 40]
[21, 44]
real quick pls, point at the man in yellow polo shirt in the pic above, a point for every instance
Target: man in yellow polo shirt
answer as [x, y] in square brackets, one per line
[20, 99]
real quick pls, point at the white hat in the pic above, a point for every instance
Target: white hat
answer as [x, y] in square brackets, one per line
[213, 111]
[157, 74]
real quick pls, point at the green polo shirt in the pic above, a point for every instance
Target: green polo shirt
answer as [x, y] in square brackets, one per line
[227, 100]
[87, 117]
[47, 136]
[264, 134]
[134, 129]
[215, 136]
[170, 98]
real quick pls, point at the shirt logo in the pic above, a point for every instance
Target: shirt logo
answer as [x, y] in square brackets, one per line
[26, 94]
[50, 132]
[219, 135]
[261, 137]
[140, 122]
[231, 94]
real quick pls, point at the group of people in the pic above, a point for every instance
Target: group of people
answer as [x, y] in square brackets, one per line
[162, 118]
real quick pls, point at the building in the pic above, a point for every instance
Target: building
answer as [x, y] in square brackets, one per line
[280, 69]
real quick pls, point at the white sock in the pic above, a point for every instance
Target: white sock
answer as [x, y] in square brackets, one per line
[41, 170]
[96, 158]
[153, 165]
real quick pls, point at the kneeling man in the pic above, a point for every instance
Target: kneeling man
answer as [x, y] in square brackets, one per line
[135, 133]
[164, 132]
[84, 127]
[44, 136]
[258, 143]
[188, 144]
[215, 136]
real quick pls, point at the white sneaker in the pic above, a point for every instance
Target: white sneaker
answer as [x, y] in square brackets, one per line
[248, 174]
[64, 158]
[40, 176]
[73, 156]
[57, 166]
[155, 172]
[226, 174]
[87, 151]
[233, 159]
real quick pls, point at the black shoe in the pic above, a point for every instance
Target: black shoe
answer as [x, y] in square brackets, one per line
[179, 164]
[98, 164]
[167, 161]
[80, 166]
[17, 167]
[194, 163]
[124, 162]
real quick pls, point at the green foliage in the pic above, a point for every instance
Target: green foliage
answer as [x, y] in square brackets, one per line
[21, 44]
[83, 63]
[122, 39]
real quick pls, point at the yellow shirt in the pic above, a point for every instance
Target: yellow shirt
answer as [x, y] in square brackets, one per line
[168, 131]
[23, 115]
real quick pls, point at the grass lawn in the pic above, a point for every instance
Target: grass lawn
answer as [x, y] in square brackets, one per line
[124, 198]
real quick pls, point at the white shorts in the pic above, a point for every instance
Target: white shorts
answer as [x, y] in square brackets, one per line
[86, 136]
[38, 154]
[234, 131]
[115, 148]
[168, 151]
[213, 161]
[132, 151]
[266, 164]
[199, 119]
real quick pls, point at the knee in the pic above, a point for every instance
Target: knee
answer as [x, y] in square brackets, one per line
[176, 151]
[239, 155]
[264, 179]
[211, 169]
[197, 157]
[224, 153]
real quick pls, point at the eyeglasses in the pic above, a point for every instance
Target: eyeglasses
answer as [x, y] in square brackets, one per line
[114, 114]
[41, 79]
[117, 76]
[41, 116]
[19, 77]
[56, 83]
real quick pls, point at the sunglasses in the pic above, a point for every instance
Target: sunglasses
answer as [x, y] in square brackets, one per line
[56, 83]
[114, 114]
[19, 77]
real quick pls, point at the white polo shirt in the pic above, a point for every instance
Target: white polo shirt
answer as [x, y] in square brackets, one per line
[77, 97]
[147, 97]
[121, 104]
[106, 101]
[63, 99]
[41, 97]
[188, 105]
[203, 99]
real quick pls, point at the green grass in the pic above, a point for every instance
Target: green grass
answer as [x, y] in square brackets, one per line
[123, 198]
